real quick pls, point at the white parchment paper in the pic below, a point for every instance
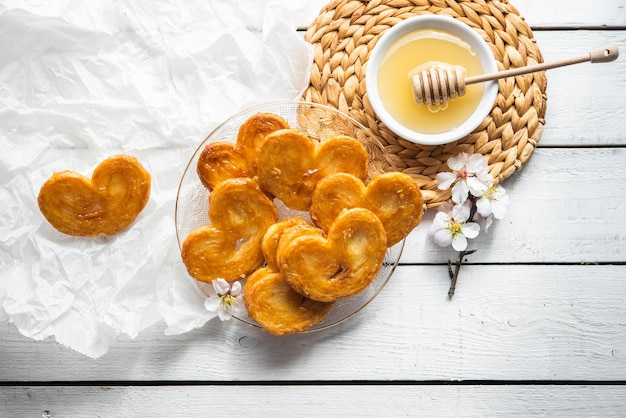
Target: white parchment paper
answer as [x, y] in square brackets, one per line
[81, 81]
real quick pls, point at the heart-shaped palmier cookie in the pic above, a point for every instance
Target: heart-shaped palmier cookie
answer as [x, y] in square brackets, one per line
[290, 164]
[287, 228]
[219, 161]
[341, 265]
[106, 204]
[394, 197]
[230, 247]
[279, 309]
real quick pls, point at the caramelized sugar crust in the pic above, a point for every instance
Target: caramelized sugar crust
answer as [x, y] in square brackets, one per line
[105, 204]
[230, 247]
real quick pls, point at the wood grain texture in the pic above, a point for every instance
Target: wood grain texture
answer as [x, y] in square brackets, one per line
[505, 322]
[318, 401]
[572, 14]
[540, 309]
[583, 108]
[566, 207]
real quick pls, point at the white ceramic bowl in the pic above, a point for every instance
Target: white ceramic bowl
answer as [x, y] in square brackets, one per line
[445, 24]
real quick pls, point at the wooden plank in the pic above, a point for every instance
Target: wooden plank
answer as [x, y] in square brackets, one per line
[584, 105]
[567, 206]
[567, 13]
[506, 322]
[555, 14]
[336, 401]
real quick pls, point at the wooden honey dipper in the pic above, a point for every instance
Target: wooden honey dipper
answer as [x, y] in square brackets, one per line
[437, 85]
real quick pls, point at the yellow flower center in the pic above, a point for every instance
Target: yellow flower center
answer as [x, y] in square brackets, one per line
[491, 192]
[454, 227]
[228, 300]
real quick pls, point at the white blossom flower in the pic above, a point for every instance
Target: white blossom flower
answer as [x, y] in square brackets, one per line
[493, 202]
[470, 174]
[224, 298]
[451, 226]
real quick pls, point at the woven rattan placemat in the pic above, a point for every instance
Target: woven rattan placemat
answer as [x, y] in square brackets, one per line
[343, 35]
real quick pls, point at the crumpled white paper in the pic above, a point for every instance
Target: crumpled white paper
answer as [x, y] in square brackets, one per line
[81, 81]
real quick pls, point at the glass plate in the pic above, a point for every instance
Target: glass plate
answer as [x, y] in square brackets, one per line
[318, 122]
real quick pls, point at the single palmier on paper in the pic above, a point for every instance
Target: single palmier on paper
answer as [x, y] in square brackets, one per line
[105, 204]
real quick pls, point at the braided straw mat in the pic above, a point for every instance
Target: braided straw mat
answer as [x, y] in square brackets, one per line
[343, 35]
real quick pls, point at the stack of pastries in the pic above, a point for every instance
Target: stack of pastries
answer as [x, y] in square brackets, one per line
[296, 267]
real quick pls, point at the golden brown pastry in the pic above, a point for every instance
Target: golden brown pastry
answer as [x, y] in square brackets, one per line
[230, 248]
[106, 204]
[332, 195]
[272, 302]
[290, 164]
[394, 197]
[397, 201]
[341, 265]
[219, 161]
[253, 131]
[275, 233]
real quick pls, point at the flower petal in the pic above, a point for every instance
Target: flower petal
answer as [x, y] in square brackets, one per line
[458, 162]
[484, 223]
[476, 163]
[434, 228]
[235, 289]
[461, 211]
[441, 220]
[220, 286]
[212, 304]
[459, 242]
[498, 209]
[224, 314]
[443, 238]
[475, 186]
[237, 309]
[485, 177]
[500, 203]
[445, 180]
[470, 229]
[460, 192]
[484, 207]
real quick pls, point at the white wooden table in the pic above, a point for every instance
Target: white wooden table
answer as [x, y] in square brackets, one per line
[537, 327]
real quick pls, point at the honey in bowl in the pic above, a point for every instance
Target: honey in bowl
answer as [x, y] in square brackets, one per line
[415, 52]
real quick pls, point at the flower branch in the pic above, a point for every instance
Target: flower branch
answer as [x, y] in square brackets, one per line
[477, 201]
[454, 275]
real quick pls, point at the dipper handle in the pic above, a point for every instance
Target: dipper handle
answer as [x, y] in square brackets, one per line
[438, 84]
[606, 53]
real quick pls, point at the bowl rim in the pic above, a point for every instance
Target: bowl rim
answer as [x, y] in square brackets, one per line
[455, 27]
